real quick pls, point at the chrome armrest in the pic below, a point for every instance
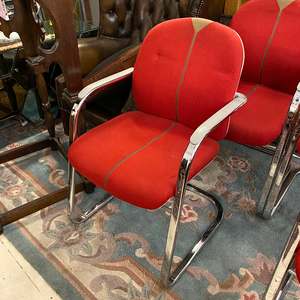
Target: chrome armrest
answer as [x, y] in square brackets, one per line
[199, 135]
[210, 124]
[195, 141]
[86, 92]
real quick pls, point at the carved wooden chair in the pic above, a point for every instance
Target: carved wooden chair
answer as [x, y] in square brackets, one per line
[39, 60]
[184, 85]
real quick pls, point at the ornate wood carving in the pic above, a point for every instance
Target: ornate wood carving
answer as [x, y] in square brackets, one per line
[65, 49]
[65, 53]
[26, 25]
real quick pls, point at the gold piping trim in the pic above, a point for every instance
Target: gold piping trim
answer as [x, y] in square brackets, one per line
[198, 24]
[268, 46]
[125, 158]
[284, 3]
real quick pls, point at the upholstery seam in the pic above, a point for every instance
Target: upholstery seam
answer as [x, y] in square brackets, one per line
[253, 90]
[170, 8]
[134, 152]
[268, 46]
[149, 15]
[182, 75]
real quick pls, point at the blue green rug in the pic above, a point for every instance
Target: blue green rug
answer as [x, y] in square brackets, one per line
[30, 110]
[117, 255]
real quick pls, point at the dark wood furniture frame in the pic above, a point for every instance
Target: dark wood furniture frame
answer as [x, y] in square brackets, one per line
[27, 25]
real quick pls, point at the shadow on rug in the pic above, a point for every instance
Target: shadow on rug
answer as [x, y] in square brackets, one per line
[116, 253]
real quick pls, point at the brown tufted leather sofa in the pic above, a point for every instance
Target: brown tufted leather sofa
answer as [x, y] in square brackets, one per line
[123, 26]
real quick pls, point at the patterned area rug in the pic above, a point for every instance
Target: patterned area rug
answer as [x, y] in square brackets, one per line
[117, 255]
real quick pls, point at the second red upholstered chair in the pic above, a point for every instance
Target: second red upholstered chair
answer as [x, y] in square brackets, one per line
[184, 84]
[270, 32]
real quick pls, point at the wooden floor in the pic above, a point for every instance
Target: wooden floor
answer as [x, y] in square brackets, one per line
[18, 280]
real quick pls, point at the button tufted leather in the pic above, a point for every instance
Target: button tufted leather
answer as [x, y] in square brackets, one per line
[134, 18]
[116, 18]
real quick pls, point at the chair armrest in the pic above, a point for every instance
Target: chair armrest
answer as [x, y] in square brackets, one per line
[86, 92]
[210, 124]
[197, 138]
[93, 87]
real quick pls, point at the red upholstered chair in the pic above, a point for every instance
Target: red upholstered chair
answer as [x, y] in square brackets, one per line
[293, 142]
[270, 32]
[184, 85]
[284, 272]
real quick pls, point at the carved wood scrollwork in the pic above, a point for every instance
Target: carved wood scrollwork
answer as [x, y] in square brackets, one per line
[25, 25]
[65, 49]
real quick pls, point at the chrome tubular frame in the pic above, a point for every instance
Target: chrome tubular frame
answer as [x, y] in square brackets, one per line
[279, 168]
[195, 141]
[282, 274]
[276, 193]
[83, 96]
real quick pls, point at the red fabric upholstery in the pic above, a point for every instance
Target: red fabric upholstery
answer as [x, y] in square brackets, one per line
[272, 59]
[187, 90]
[152, 172]
[259, 122]
[297, 263]
[136, 156]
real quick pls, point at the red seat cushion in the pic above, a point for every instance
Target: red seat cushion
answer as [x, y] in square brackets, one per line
[269, 31]
[140, 157]
[260, 121]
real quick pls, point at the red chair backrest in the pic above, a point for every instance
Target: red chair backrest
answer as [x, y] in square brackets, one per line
[190, 74]
[270, 31]
[297, 263]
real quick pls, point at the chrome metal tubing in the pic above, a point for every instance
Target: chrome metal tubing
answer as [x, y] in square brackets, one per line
[83, 96]
[71, 207]
[92, 88]
[203, 239]
[195, 141]
[286, 281]
[279, 166]
[285, 186]
[281, 275]
[176, 213]
[167, 209]
[269, 149]
[274, 199]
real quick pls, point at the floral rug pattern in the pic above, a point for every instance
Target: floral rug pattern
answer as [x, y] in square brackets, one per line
[117, 255]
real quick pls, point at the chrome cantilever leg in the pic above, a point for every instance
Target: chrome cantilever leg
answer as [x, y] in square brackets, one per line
[276, 193]
[280, 162]
[166, 277]
[279, 188]
[71, 207]
[282, 275]
[71, 180]
[285, 186]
